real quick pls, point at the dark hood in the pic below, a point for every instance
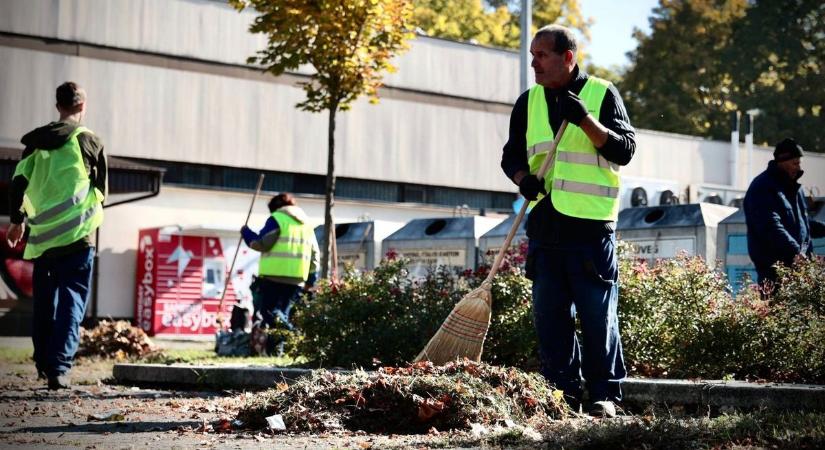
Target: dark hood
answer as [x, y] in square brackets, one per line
[51, 136]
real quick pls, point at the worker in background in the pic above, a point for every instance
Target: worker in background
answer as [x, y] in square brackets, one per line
[571, 253]
[289, 259]
[776, 215]
[58, 187]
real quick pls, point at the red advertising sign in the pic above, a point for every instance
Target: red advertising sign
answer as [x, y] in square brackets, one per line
[179, 283]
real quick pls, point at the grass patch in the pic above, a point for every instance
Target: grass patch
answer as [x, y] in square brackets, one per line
[16, 355]
[413, 399]
[208, 357]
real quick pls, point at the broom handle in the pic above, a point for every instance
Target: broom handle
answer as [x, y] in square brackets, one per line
[238, 250]
[545, 166]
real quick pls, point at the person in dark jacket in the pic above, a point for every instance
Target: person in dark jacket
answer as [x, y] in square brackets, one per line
[776, 214]
[58, 188]
[571, 255]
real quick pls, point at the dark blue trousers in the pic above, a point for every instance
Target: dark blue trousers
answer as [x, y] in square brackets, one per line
[578, 278]
[275, 301]
[61, 292]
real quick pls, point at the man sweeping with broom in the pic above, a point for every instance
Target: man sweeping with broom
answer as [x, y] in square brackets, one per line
[571, 257]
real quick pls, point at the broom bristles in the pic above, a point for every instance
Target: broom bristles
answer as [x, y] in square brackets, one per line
[462, 334]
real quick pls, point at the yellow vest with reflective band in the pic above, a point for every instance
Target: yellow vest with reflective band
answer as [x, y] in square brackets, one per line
[60, 202]
[580, 181]
[291, 255]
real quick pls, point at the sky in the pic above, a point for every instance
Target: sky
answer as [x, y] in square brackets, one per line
[614, 21]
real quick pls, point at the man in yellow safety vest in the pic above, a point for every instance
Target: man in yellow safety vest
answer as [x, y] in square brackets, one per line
[58, 188]
[571, 257]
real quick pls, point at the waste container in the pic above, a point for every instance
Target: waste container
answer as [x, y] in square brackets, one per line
[359, 243]
[732, 249]
[817, 215]
[661, 232]
[448, 241]
[490, 243]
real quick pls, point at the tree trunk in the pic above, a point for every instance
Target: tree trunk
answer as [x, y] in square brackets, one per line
[329, 233]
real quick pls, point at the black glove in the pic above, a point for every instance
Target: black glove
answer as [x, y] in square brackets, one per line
[572, 108]
[530, 187]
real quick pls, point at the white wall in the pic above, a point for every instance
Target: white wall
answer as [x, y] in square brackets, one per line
[215, 209]
[213, 31]
[156, 113]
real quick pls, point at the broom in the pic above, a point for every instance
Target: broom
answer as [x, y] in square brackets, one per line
[238, 250]
[462, 334]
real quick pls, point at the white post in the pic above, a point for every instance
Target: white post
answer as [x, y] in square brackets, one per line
[526, 24]
[734, 146]
[748, 145]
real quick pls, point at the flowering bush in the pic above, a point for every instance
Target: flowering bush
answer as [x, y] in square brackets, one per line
[679, 319]
[384, 317]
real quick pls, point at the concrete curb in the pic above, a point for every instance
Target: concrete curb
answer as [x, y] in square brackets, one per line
[720, 394]
[641, 392]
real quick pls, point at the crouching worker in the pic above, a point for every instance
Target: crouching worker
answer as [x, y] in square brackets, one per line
[289, 260]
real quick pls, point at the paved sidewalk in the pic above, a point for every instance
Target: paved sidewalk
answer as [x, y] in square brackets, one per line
[638, 392]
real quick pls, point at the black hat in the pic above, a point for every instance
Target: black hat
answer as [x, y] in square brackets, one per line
[787, 149]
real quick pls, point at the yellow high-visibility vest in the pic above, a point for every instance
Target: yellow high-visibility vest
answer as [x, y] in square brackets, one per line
[292, 253]
[60, 202]
[580, 181]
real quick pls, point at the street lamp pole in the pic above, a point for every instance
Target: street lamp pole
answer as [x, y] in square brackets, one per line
[734, 147]
[526, 24]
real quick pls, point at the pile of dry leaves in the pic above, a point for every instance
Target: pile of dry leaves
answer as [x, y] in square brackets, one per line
[119, 340]
[414, 399]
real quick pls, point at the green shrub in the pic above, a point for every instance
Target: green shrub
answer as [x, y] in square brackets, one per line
[664, 309]
[511, 340]
[679, 319]
[798, 320]
[383, 316]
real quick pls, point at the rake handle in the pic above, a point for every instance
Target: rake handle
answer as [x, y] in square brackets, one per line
[545, 166]
[238, 250]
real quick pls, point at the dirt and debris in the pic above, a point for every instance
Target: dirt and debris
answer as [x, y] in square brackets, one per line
[115, 339]
[417, 399]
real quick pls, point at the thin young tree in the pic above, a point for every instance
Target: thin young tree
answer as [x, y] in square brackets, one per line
[349, 44]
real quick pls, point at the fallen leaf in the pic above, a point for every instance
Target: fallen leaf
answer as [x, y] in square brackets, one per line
[223, 426]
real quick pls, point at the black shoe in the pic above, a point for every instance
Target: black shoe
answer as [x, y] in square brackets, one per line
[59, 382]
[41, 375]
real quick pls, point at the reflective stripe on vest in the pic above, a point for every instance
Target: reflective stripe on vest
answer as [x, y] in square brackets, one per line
[291, 255]
[61, 205]
[581, 182]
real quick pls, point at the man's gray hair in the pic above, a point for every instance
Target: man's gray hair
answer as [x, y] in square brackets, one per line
[563, 38]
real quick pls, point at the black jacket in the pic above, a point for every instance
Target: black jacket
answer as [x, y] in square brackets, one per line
[52, 137]
[777, 219]
[545, 224]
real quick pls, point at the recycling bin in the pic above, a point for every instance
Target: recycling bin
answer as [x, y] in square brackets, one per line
[732, 248]
[359, 243]
[662, 232]
[451, 241]
[490, 243]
